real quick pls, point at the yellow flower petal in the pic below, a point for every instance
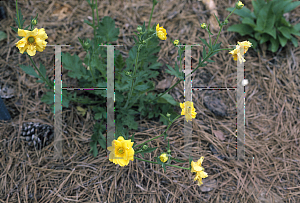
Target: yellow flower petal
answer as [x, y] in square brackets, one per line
[32, 41]
[121, 151]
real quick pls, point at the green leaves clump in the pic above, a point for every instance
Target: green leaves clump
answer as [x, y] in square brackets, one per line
[266, 24]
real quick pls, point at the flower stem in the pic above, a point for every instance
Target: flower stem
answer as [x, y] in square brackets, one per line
[49, 84]
[93, 17]
[153, 162]
[222, 25]
[158, 135]
[151, 15]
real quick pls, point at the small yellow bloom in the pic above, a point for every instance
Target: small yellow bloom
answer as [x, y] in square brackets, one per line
[121, 151]
[188, 110]
[239, 5]
[163, 157]
[245, 45]
[176, 42]
[161, 32]
[32, 41]
[203, 25]
[196, 167]
[236, 54]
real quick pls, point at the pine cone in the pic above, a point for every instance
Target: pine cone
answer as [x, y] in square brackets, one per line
[37, 135]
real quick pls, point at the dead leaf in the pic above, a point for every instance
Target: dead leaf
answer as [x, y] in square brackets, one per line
[219, 134]
[62, 11]
[164, 84]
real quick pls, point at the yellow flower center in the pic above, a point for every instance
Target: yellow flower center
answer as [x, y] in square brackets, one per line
[30, 39]
[120, 151]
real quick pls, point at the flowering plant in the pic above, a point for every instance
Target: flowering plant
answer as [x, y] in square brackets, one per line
[133, 88]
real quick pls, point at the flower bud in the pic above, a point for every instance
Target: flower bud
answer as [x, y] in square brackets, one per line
[203, 25]
[139, 29]
[33, 22]
[145, 147]
[239, 5]
[163, 157]
[86, 45]
[176, 42]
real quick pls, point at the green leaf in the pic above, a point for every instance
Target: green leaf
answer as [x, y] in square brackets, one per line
[257, 5]
[74, 64]
[294, 31]
[2, 35]
[291, 6]
[175, 71]
[14, 29]
[29, 70]
[168, 99]
[244, 12]
[271, 32]
[282, 40]
[253, 41]
[278, 7]
[87, 22]
[274, 45]
[48, 98]
[204, 41]
[297, 27]
[43, 70]
[264, 38]
[216, 46]
[249, 21]
[285, 31]
[242, 29]
[204, 52]
[294, 41]
[107, 30]
[265, 19]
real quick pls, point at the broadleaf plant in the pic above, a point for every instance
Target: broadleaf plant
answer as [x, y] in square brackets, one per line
[266, 24]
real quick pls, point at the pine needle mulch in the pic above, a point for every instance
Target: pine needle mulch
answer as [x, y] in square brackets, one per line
[270, 172]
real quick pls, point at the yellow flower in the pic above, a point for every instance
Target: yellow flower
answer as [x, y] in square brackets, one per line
[203, 25]
[196, 167]
[236, 54]
[239, 5]
[32, 41]
[176, 42]
[161, 32]
[188, 110]
[121, 151]
[163, 157]
[245, 45]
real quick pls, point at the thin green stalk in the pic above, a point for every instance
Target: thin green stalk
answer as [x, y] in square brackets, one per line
[153, 162]
[158, 135]
[49, 84]
[132, 82]
[151, 16]
[92, 68]
[222, 25]
[93, 17]
[97, 11]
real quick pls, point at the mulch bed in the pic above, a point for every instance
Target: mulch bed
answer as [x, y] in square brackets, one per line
[270, 172]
